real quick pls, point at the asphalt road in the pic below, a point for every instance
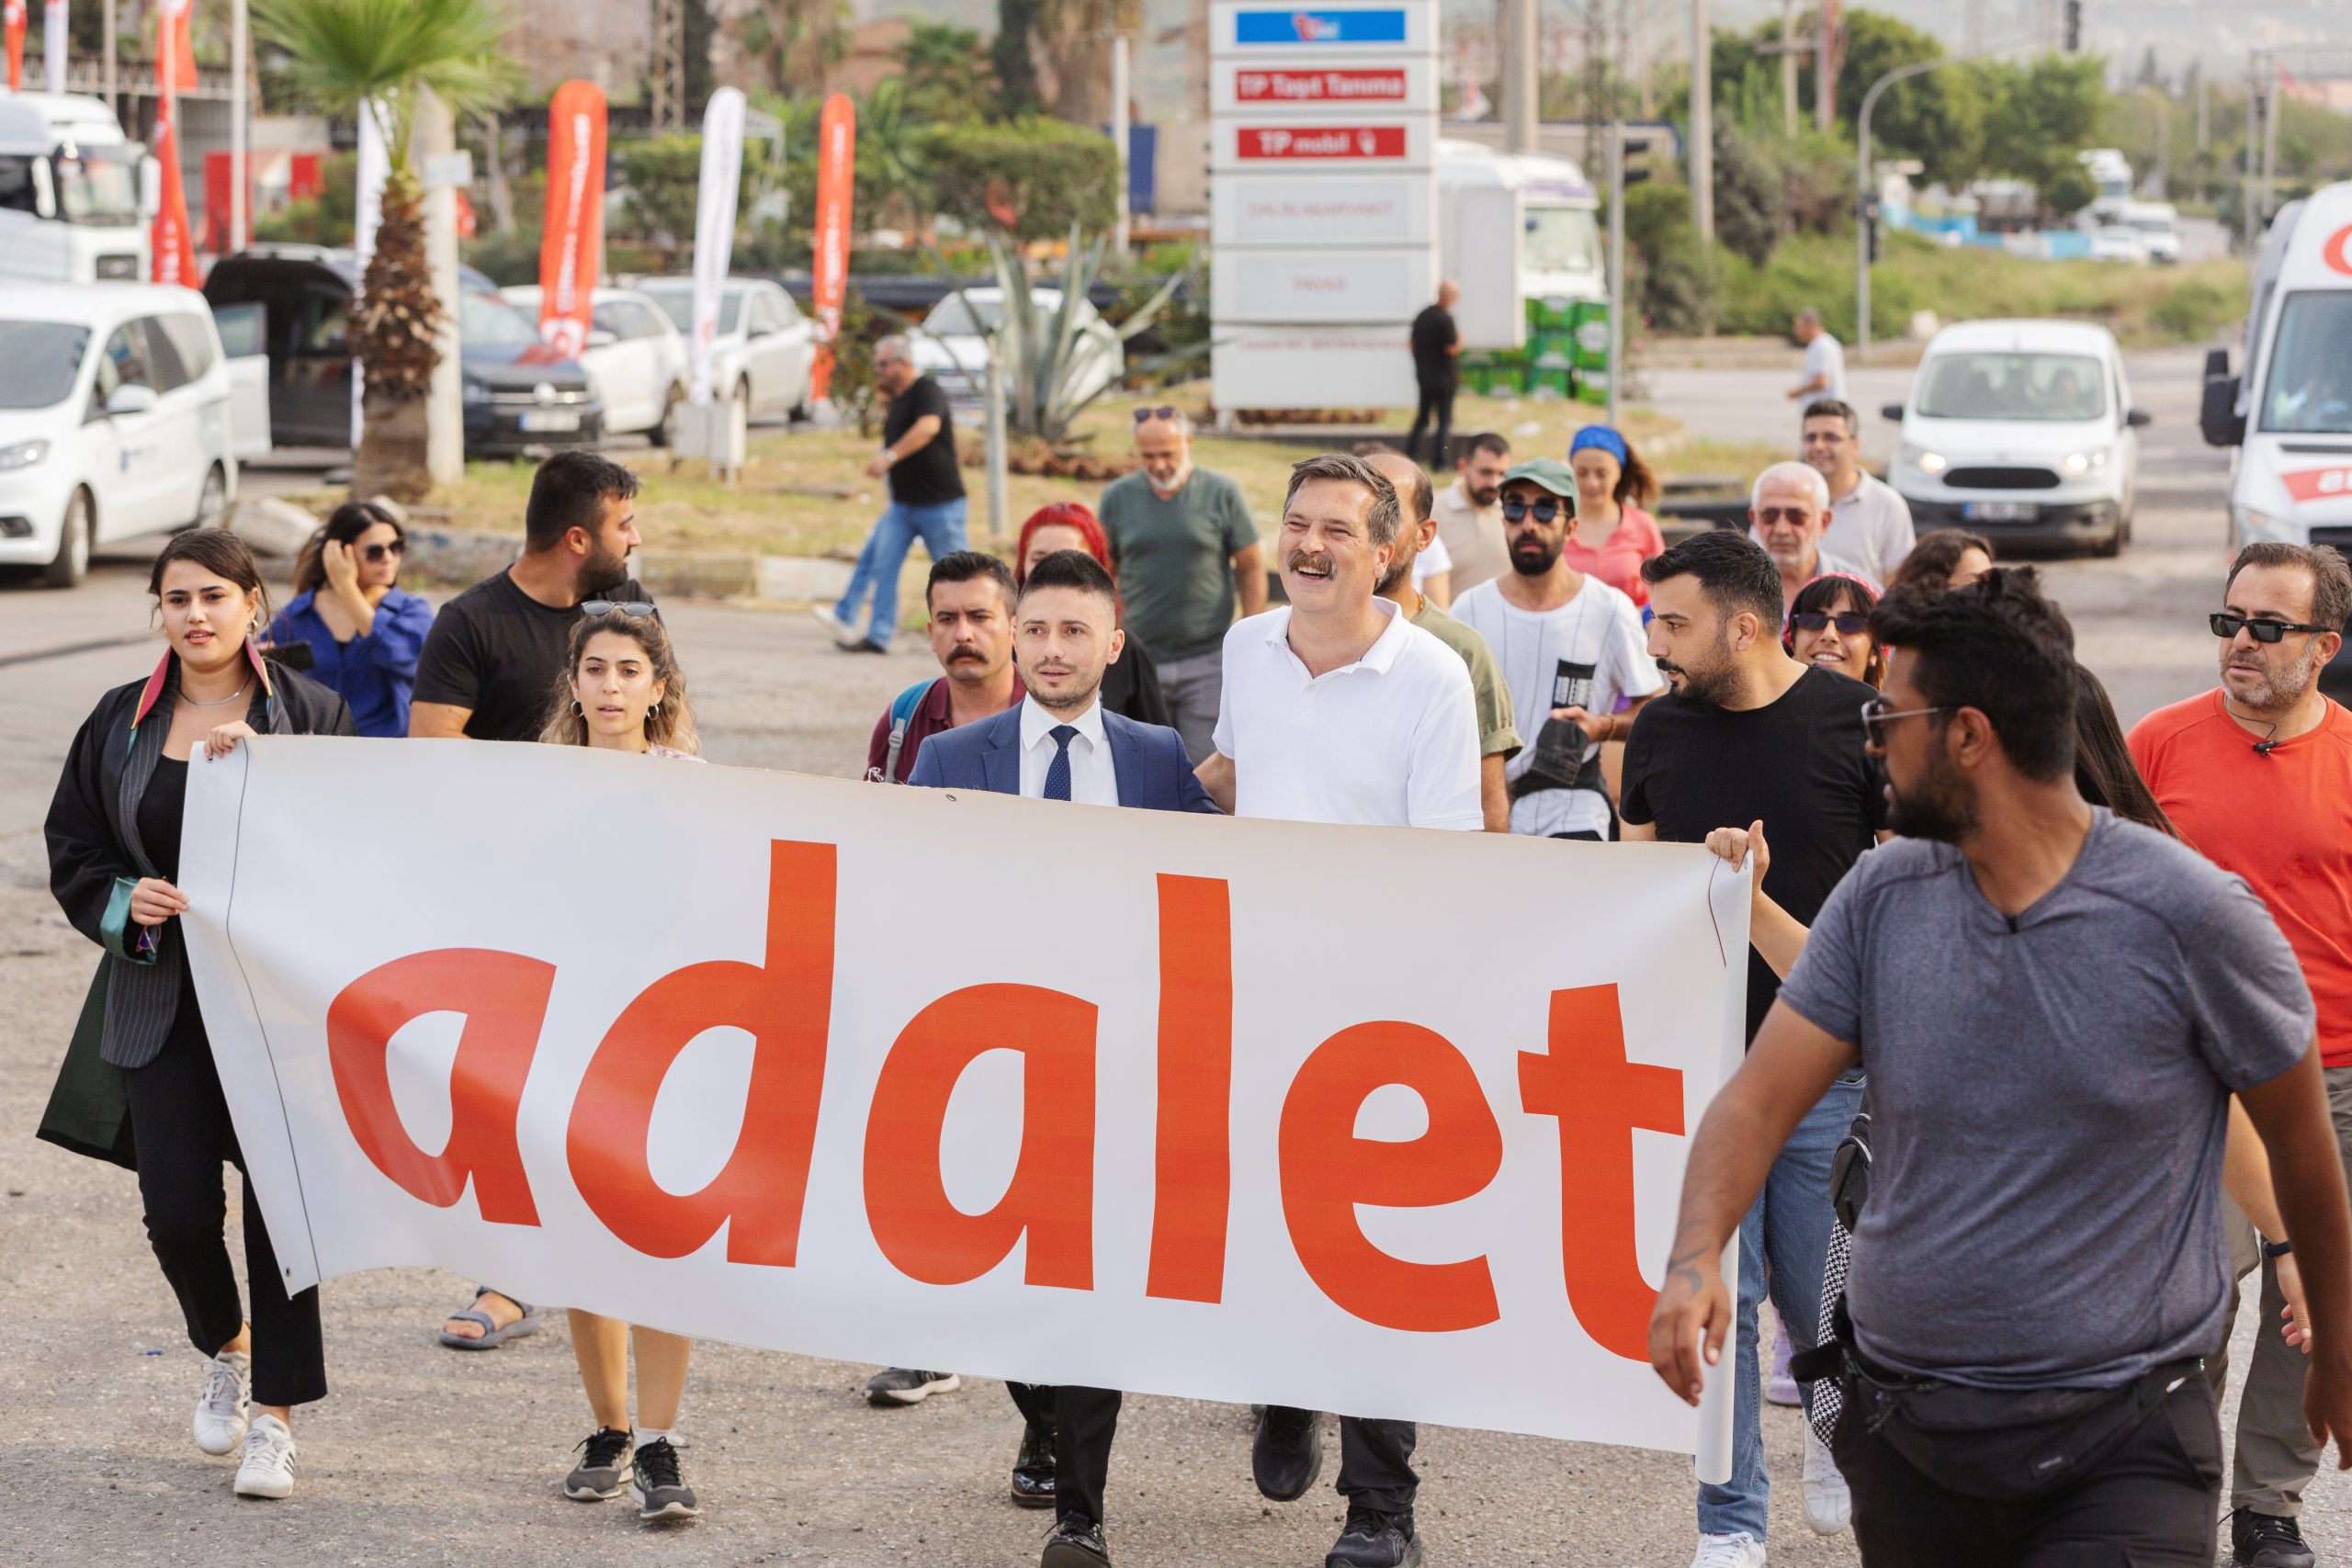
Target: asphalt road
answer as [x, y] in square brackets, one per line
[424, 1456]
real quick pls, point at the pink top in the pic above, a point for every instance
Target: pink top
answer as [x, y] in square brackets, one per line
[1618, 562]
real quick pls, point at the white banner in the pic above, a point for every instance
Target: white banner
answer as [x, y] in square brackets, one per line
[722, 174]
[1372, 1120]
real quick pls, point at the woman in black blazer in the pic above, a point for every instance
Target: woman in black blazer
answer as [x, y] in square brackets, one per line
[113, 853]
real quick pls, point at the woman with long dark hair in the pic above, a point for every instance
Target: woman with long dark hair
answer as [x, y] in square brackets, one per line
[1131, 686]
[363, 631]
[114, 834]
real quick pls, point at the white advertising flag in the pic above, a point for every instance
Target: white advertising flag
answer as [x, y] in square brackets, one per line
[375, 167]
[722, 174]
[55, 44]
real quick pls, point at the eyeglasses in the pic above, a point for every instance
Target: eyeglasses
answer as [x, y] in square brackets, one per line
[2225, 625]
[1161, 411]
[1850, 622]
[1767, 515]
[1545, 508]
[376, 553]
[1877, 716]
[639, 608]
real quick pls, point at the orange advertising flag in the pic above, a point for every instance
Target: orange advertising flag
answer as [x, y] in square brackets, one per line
[836, 182]
[174, 247]
[573, 238]
[174, 49]
[12, 14]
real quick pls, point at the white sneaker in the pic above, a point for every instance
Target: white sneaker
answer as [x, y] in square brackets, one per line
[824, 616]
[1740, 1551]
[222, 1408]
[268, 1467]
[1828, 1506]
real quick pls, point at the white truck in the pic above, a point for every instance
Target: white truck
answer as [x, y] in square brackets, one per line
[2288, 412]
[77, 195]
[1515, 228]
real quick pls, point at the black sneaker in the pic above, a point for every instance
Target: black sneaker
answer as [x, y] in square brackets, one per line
[905, 1385]
[1075, 1543]
[655, 1487]
[603, 1469]
[1287, 1454]
[2265, 1541]
[1033, 1470]
[1374, 1539]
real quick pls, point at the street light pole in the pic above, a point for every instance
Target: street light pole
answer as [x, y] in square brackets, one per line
[1119, 134]
[1616, 266]
[1703, 123]
[2164, 136]
[239, 153]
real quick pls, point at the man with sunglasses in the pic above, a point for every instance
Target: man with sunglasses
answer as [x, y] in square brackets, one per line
[2258, 775]
[1788, 512]
[1869, 524]
[1570, 646]
[1186, 552]
[2054, 1005]
[1749, 734]
[918, 462]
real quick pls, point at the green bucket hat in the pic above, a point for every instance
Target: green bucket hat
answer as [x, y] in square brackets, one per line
[1549, 472]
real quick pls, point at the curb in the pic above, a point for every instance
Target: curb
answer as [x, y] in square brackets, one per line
[465, 556]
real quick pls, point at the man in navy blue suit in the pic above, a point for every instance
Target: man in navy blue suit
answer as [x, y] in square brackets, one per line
[1058, 743]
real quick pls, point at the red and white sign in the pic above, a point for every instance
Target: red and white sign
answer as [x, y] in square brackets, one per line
[1322, 210]
[1319, 142]
[1374, 84]
[2318, 484]
[1168, 1147]
[1324, 285]
[1312, 368]
[573, 241]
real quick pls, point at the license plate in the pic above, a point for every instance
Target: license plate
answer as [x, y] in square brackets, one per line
[2000, 511]
[547, 421]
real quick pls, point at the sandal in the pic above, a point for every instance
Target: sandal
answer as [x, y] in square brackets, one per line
[492, 1336]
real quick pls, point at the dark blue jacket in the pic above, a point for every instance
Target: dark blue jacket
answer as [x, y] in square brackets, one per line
[373, 672]
[1148, 760]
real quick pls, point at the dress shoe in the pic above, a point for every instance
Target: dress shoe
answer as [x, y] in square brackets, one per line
[1033, 1470]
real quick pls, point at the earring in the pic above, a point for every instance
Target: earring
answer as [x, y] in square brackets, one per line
[577, 710]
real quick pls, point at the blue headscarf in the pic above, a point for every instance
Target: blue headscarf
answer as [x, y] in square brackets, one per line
[1602, 436]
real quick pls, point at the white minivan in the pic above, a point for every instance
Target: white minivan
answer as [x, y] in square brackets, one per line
[2022, 431]
[114, 421]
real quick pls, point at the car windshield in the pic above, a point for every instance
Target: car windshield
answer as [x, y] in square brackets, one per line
[485, 320]
[1992, 384]
[2152, 225]
[2309, 391]
[678, 304]
[97, 186]
[1561, 238]
[44, 359]
[954, 316]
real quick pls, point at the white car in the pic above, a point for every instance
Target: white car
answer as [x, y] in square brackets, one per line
[635, 358]
[113, 420]
[766, 347]
[2023, 431]
[2119, 243]
[953, 346]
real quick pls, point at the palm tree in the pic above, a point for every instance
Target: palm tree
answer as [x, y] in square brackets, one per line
[341, 58]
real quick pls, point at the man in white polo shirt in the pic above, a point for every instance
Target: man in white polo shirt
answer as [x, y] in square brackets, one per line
[1337, 709]
[1869, 524]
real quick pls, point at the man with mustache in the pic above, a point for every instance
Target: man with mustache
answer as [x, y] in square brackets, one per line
[2258, 775]
[1570, 646]
[1788, 512]
[2054, 1005]
[1748, 735]
[969, 597]
[1339, 709]
[1469, 523]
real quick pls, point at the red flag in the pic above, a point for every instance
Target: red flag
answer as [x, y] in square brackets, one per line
[174, 49]
[174, 248]
[574, 236]
[836, 182]
[12, 14]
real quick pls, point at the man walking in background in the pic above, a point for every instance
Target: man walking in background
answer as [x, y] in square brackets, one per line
[1186, 553]
[918, 462]
[1469, 521]
[1437, 370]
[2257, 776]
[1869, 524]
[1824, 370]
[1788, 508]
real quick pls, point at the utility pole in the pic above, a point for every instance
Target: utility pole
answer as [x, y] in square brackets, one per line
[1789, 68]
[1616, 266]
[2204, 110]
[1120, 135]
[1703, 123]
[1864, 194]
[2246, 202]
[114, 92]
[1824, 70]
[240, 112]
[2270, 117]
[1520, 84]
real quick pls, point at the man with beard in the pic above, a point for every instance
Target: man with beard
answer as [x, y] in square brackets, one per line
[1749, 734]
[1788, 512]
[1469, 524]
[1060, 743]
[1570, 646]
[968, 597]
[2054, 1005]
[1339, 709]
[2257, 774]
[1497, 734]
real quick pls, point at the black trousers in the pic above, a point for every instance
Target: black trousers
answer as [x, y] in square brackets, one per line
[1437, 403]
[2150, 1505]
[1083, 1421]
[180, 1125]
[1376, 1464]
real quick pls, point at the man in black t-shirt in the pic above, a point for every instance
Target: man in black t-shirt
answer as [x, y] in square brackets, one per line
[1747, 735]
[490, 664]
[926, 497]
[1437, 366]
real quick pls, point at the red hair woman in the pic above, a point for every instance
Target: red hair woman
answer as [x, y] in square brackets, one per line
[1131, 686]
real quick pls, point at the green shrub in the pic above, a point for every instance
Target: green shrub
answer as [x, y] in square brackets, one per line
[1673, 280]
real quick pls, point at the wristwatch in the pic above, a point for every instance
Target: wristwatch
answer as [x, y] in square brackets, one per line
[2275, 1249]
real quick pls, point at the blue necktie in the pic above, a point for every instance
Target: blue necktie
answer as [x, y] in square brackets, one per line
[1057, 771]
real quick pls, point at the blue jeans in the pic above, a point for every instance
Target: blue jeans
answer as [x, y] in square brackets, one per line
[941, 529]
[1783, 1243]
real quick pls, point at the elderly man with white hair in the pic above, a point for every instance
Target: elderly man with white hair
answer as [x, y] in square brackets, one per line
[918, 460]
[1788, 511]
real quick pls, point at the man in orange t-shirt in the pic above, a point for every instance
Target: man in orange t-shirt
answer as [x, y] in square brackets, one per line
[2258, 775]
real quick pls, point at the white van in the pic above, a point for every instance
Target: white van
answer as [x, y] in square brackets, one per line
[2289, 412]
[1514, 227]
[2021, 430]
[76, 194]
[114, 421]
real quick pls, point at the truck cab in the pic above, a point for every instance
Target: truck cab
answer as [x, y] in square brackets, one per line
[76, 194]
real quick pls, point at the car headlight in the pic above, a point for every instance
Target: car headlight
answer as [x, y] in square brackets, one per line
[2253, 526]
[477, 391]
[23, 455]
[1920, 457]
[2084, 462]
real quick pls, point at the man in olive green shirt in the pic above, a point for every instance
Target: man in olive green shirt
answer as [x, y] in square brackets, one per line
[1498, 738]
[1185, 551]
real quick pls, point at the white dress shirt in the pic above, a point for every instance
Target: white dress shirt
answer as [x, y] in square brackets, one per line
[1092, 780]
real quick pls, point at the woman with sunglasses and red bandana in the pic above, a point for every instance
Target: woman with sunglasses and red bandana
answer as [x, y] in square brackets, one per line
[1830, 625]
[363, 632]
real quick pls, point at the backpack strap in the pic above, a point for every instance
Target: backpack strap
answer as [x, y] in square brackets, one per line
[902, 712]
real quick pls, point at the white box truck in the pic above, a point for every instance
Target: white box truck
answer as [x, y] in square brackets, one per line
[1515, 227]
[77, 195]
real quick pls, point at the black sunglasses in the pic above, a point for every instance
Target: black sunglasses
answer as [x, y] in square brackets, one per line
[1163, 410]
[2225, 625]
[1545, 508]
[1850, 622]
[1878, 712]
[1765, 515]
[376, 553]
[636, 608]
